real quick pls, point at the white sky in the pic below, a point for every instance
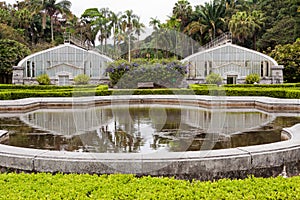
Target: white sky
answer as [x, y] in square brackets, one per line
[143, 8]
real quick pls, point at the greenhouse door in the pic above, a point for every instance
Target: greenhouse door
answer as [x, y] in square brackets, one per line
[231, 79]
[63, 80]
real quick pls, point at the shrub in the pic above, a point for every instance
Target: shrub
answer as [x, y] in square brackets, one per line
[214, 79]
[164, 73]
[126, 186]
[43, 79]
[252, 78]
[81, 79]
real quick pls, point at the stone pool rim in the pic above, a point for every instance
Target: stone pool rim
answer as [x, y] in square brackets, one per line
[260, 160]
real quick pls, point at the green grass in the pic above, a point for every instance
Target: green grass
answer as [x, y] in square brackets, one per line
[59, 186]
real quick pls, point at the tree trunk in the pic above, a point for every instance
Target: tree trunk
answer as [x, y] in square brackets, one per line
[52, 34]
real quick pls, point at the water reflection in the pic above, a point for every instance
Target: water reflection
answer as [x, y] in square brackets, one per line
[138, 128]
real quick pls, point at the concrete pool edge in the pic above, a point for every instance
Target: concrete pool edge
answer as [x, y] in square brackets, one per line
[263, 103]
[262, 160]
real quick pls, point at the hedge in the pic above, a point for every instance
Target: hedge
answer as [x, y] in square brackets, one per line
[287, 91]
[52, 91]
[286, 85]
[71, 186]
[42, 87]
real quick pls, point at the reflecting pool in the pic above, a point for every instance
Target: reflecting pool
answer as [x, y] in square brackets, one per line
[142, 128]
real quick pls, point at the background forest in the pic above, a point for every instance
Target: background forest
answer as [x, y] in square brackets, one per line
[269, 26]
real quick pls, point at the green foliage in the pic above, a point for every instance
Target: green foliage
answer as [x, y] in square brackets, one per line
[289, 56]
[81, 79]
[252, 78]
[277, 91]
[43, 79]
[214, 79]
[11, 52]
[72, 186]
[8, 32]
[10, 92]
[164, 73]
[281, 25]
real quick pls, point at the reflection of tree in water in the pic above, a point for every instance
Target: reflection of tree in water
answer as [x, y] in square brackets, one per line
[138, 131]
[127, 142]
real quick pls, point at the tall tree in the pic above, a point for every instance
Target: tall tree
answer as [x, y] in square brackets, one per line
[239, 27]
[289, 56]
[128, 27]
[243, 25]
[155, 23]
[138, 27]
[11, 52]
[182, 11]
[53, 9]
[92, 18]
[282, 22]
[127, 23]
[212, 16]
[115, 23]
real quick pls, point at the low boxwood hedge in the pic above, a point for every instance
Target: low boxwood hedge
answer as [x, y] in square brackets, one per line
[72, 186]
[19, 92]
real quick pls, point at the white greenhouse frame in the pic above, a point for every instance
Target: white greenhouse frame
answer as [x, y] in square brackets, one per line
[233, 61]
[62, 63]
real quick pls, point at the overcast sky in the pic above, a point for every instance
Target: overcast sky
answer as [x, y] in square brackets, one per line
[143, 8]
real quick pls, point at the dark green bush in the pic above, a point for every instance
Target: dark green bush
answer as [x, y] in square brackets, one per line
[293, 94]
[164, 73]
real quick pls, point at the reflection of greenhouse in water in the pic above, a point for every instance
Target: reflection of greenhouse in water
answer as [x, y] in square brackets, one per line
[128, 129]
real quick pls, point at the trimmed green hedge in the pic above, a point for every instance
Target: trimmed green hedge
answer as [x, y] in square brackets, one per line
[19, 92]
[286, 85]
[42, 87]
[71, 186]
[285, 91]
[8, 92]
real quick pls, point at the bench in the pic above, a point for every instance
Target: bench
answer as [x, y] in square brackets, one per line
[145, 85]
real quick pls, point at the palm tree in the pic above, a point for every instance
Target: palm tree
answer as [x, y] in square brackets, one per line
[256, 19]
[104, 26]
[115, 24]
[128, 27]
[127, 23]
[243, 25]
[138, 27]
[195, 28]
[182, 11]
[239, 26]
[156, 24]
[212, 16]
[52, 9]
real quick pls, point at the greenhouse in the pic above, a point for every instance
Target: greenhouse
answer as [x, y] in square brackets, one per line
[233, 63]
[62, 64]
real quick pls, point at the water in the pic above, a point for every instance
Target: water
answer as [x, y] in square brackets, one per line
[142, 129]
